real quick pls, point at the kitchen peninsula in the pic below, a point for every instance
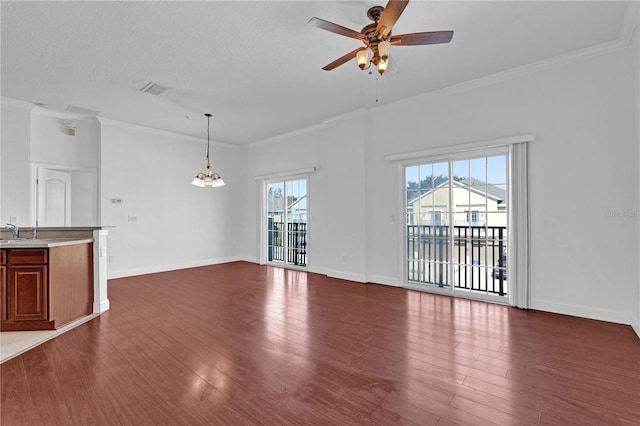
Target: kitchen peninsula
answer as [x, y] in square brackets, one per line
[52, 280]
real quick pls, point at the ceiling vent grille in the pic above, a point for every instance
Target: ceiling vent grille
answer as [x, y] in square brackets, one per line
[153, 89]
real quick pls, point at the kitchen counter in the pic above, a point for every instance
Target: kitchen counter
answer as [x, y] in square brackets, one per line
[46, 283]
[42, 242]
[58, 238]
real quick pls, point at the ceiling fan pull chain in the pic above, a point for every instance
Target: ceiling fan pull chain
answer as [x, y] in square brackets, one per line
[376, 87]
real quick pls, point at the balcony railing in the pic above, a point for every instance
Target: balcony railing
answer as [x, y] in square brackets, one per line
[479, 257]
[296, 239]
[479, 254]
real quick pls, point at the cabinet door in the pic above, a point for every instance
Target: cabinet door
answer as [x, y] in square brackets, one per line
[27, 293]
[3, 292]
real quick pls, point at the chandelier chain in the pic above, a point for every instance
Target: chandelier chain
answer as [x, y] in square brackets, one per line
[208, 139]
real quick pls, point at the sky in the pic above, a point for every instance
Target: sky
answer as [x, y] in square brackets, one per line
[487, 169]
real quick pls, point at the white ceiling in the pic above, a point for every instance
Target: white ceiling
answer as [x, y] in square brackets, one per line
[256, 66]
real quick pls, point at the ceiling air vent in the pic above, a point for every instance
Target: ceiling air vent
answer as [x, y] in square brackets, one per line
[153, 89]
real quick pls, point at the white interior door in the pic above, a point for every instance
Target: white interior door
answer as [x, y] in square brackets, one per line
[54, 197]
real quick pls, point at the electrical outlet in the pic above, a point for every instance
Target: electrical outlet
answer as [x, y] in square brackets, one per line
[13, 219]
[132, 219]
[110, 259]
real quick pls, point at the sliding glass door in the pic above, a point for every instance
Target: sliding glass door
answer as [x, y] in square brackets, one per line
[287, 214]
[456, 225]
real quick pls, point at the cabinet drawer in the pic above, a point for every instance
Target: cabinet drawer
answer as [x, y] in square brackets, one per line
[27, 256]
[3, 257]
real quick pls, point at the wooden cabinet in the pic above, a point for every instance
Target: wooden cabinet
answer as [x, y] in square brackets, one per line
[45, 288]
[27, 292]
[27, 285]
[3, 285]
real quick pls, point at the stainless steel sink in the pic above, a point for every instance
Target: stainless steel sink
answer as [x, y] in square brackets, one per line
[12, 240]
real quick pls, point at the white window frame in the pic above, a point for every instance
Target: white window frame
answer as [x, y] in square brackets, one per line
[451, 289]
[262, 182]
[518, 216]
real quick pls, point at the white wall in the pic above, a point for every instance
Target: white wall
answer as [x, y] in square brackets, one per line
[337, 192]
[51, 144]
[346, 231]
[178, 225]
[282, 155]
[583, 170]
[583, 167]
[164, 222]
[78, 154]
[15, 163]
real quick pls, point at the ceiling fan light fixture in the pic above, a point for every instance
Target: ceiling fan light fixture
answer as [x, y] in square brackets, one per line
[383, 50]
[377, 37]
[363, 58]
[382, 66]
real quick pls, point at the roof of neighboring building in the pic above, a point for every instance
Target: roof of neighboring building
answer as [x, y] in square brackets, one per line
[276, 204]
[494, 192]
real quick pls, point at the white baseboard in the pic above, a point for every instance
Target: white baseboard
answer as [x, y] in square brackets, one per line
[581, 311]
[172, 267]
[381, 279]
[250, 259]
[102, 307]
[361, 278]
[635, 324]
[317, 270]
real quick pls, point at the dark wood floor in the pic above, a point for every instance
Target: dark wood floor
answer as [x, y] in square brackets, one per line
[246, 344]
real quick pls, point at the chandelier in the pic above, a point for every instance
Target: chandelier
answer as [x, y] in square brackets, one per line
[208, 178]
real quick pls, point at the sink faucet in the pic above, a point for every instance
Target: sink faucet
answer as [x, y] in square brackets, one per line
[13, 228]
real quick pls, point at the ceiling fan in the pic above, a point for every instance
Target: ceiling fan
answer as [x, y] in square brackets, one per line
[377, 37]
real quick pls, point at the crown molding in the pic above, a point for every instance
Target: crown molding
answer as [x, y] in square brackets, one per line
[307, 129]
[626, 33]
[275, 138]
[344, 116]
[502, 76]
[45, 112]
[629, 23]
[158, 132]
[17, 104]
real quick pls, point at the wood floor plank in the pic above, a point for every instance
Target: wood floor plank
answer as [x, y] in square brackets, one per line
[243, 344]
[17, 404]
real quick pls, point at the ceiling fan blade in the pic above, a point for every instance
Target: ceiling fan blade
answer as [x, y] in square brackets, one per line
[416, 39]
[335, 28]
[390, 15]
[342, 60]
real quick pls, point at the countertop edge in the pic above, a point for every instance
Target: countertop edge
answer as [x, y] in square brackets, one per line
[44, 243]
